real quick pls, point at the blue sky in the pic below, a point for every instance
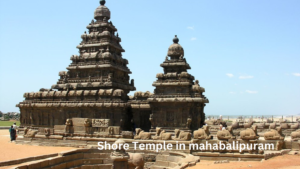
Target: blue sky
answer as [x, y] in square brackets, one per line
[246, 54]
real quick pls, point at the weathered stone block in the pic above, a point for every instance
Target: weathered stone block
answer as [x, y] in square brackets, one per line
[162, 163]
[36, 165]
[78, 121]
[22, 167]
[91, 155]
[56, 160]
[173, 159]
[60, 166]
[44, 163]
[70, 164]
[59, 127]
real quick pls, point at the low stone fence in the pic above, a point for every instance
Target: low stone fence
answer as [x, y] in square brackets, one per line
[4, 128]
[28, 159]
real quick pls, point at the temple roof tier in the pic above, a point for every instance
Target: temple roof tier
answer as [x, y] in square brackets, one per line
[102, 44]
[93, 85]
[172, 84]
[99, 66]
[68, 104]
[140, 106]
[201, 100]
[102, 24]
[175, 64]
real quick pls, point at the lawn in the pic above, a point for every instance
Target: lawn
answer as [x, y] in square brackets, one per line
[9, 123]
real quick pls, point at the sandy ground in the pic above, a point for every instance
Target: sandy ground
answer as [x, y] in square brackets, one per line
[11, 151]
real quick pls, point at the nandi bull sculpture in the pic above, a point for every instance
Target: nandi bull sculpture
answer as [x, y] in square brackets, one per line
[249, 133]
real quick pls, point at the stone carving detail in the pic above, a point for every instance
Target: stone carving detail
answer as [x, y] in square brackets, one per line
[47, 132]
[274, 134]
[140, 134]
[68, 126]
[162, 135]
[87, 125]
[202, 134]
[30, 133]
[132, 82]
[295, 126]
[235, 125]
[249, 133]
[248, 125]
[119, 156]
[136, 160]
[225, 134]
[284, 125]
[295, 135]
[279, 145]
[272, 126]
[118, 93]
[114, 130]
[101, 122]
[151, 121]
[127, 134]
[109, 78]
[25, 131]
[182, 135]
[189, 122]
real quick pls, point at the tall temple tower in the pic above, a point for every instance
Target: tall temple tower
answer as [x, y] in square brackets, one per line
[95, 86]
[177, 103]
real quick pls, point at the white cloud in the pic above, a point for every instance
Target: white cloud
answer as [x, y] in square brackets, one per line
[246, 77]
[193, 38]
[296, 74]
[251, 92]
[229, 75]
[190, 27]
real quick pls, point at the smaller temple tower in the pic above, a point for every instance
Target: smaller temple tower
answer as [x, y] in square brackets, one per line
[178, 101]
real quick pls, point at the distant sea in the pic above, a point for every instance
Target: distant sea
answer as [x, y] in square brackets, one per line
[249, 116]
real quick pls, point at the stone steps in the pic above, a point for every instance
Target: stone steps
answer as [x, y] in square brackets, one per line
[167, 161]
[71, 161]
[159, 167]
[99, 166]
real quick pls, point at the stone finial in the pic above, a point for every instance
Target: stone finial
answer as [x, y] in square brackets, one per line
[175, 40]
[102, 2]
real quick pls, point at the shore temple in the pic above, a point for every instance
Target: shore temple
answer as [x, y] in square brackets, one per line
[94, 89]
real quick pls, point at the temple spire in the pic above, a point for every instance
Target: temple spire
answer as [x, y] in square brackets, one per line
[102, 2]
[175, 40]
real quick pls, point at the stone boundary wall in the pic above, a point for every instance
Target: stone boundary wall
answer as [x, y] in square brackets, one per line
[28, 159]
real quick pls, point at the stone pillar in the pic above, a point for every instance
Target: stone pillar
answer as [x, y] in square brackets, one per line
[119, 156]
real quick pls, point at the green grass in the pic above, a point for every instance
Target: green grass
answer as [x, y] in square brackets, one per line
[9, 123]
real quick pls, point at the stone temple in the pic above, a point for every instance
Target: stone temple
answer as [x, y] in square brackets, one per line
[95, 90]
[90, 104]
